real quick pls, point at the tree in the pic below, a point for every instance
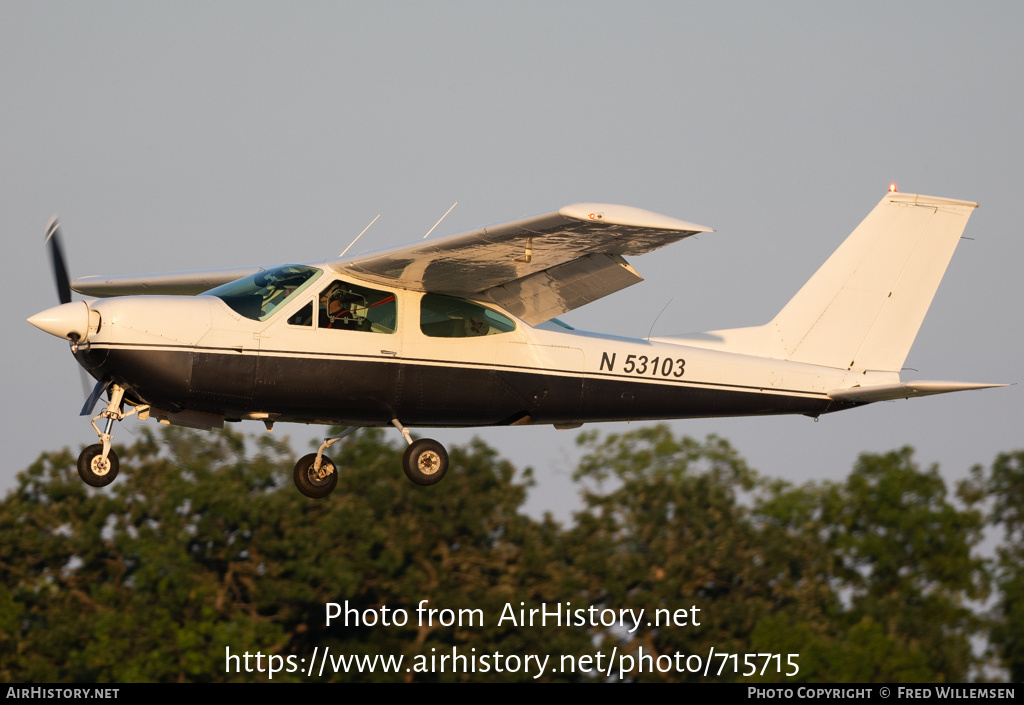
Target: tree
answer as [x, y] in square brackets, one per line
[204, 550]
[144, 581]
[1003, 486]
[913, 568]
[867, 580]
[903, 557]
[203, 545]
[677, 532]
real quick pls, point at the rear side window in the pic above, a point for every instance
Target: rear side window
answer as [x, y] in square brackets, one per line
[450, 317]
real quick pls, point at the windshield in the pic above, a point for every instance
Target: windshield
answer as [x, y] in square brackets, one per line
[259, 295]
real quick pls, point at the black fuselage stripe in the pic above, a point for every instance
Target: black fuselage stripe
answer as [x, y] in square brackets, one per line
[372, 392]
[467, 364]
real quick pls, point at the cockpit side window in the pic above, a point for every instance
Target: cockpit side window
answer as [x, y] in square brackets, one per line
[259, 295]
[345, 306]
[449, 317]
[303, 317]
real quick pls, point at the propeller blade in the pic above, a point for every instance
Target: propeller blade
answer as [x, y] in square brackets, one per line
[85, 379]
[60, 270]
[94, 397]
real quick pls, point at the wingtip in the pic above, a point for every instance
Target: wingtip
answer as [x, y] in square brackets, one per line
[627, 215]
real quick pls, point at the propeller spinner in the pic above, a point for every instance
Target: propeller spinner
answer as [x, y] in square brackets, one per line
[71, 319]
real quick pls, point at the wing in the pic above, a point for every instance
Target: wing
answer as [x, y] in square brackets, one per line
[536, 267]
[169, 283]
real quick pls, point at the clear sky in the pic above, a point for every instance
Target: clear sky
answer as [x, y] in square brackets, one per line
[185, 135]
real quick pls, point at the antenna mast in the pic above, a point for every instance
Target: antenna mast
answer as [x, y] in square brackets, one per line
[357, 237]
[442, 218]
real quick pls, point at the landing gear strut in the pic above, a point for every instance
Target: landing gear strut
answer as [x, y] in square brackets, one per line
[97, 464]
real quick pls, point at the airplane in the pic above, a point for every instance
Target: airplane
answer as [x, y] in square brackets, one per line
[462, 331]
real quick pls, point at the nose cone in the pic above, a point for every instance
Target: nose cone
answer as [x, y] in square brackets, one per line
[69, 320]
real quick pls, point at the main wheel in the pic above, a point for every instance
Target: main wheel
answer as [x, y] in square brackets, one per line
[315, 484]
[425, 461]
[94, 470]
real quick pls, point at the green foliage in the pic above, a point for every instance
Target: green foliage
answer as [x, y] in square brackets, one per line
[672, 534]
[167, 548]
[866, 580]
[1003, 485]
[912, 570]
[204, 543]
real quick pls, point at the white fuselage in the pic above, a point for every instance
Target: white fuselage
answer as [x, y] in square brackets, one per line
[197, 355]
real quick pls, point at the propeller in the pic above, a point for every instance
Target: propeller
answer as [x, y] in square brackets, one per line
[94, 396]
[63, 281]
[60, 270]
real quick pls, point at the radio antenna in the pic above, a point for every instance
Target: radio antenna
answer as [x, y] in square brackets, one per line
[357, 237]
[439, 221]
[656, 319]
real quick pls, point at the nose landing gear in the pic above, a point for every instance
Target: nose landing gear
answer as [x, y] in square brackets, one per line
[98, 464]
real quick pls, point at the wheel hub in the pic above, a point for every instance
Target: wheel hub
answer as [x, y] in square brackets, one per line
[429, 462]
[322, 476]
[100, 466]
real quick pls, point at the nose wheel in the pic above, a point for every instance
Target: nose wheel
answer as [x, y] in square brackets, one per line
[97, 464]
[95, 468]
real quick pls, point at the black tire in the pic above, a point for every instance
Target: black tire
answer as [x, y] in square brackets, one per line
[93, 471]
[425, 462]
[311, 485]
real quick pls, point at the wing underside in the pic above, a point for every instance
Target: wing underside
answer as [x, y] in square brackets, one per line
[536, 267]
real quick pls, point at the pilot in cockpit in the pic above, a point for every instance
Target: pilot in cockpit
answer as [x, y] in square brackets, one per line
[343, 309]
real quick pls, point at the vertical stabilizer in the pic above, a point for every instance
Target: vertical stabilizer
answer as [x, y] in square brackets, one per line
[863, 308]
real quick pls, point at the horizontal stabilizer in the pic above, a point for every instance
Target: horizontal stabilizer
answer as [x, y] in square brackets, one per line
[905, 390]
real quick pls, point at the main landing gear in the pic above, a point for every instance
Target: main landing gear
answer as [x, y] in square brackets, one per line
[97, 464]
[425, 462]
